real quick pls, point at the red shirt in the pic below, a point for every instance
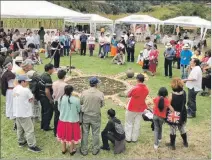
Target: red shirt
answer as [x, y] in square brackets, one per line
[156, 110]
[178, 47]
[138, 96]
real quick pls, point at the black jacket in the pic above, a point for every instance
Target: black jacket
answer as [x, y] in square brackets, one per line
[110, 127]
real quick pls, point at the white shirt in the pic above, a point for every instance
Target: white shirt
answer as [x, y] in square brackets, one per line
[196, 73]
[209, 63]
[146, 54]
[47, 38]
[91, 40]
[102, 40]
[76, 37]
[21, 105]
[125, 38]
[108, 40]
[30, 39]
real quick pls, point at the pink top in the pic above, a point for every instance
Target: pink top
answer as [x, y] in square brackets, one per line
[58, 89]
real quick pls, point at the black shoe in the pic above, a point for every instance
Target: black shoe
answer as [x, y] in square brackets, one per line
[49, 129]
[73, 153]
[22, 144]
[170, 76]
[34, 149]
[15, 127]
[96, 152]
[172, 141]
[64, 152]
[185, 142]
[128, 141]
[105, 148]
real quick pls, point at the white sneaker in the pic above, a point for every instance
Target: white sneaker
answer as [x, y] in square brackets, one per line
[159, 140]
[155, 147]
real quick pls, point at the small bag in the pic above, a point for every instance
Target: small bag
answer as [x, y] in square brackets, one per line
[173, 118]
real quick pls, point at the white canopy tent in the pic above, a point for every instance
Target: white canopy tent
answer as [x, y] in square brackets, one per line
[35, 9]
[91, 19]
[190, 21]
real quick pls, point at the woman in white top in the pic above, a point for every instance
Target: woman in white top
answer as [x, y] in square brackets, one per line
[30, 39]
[146, 53]
[91, 44]
[102, 41]
[107, 44]
[77, 40]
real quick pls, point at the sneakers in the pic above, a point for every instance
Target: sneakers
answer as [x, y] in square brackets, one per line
[34, 149]
[22, 144]
[155, 147]
[105, 148]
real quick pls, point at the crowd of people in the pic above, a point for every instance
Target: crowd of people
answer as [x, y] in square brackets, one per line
[31, 97]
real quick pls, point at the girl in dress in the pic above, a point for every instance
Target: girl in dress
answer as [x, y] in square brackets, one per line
[68, 129]
[153, 60]
[107, 44]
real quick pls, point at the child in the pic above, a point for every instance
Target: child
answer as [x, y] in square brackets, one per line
[119, 58]
[68, 129]
[161, 104]
[140, 58]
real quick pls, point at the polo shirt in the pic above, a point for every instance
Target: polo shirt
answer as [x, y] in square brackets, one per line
[137, 97]
[196, 73]
[21, 105]
[83, 38]
[45, 82]
[156, 110]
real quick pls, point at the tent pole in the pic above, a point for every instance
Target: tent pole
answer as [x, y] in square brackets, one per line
[201, 32]
[204, 34]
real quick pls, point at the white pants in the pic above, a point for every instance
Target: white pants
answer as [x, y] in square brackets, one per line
[132, 125]
[9, 103]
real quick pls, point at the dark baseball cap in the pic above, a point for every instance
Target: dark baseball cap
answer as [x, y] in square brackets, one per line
[94, 80]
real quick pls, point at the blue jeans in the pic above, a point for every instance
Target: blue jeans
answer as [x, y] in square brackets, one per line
[158, 123]
[184, 72]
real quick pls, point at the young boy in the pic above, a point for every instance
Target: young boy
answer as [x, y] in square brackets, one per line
[22, 110]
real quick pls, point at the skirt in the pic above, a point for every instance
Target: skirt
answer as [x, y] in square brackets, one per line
[152, 66]
[78, 44]
[73, 46]
[68, 132]
[113, 51]
[107, 48]
[9, 104]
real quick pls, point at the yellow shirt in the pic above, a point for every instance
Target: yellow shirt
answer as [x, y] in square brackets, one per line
[198, 57]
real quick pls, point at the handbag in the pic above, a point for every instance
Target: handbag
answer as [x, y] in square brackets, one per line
[174, 118]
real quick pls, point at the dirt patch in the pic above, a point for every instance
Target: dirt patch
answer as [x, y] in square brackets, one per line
[107, 86]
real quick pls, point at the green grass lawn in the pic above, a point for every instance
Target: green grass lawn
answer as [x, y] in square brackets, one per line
[198, 129]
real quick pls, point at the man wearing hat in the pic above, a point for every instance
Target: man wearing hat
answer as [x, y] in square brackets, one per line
[146, 54]
[130, 48]
[169, 55]
[185, 58]
[92, 100]
[17, 64]
[7, 86]
[83, 40]
[22, 110]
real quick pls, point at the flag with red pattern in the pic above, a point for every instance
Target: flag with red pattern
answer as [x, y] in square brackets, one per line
[173, 117]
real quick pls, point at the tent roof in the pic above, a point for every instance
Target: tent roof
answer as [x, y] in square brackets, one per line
[190, 21]
[35, 9]
[90, 18]
[139, 19]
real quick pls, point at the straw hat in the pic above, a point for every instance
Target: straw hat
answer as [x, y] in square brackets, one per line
[186, 46]
[122, 36]
[168, 45]
[131, 35]
[18, 59]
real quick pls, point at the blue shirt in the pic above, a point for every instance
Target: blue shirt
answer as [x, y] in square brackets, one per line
[83, 38]
[169, 53]
[185, 57]
[62, 39]
[67, 41]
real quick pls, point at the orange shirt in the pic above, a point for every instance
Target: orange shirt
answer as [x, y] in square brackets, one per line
[156, 110]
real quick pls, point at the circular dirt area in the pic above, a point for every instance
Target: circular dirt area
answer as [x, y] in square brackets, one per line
[107, 86]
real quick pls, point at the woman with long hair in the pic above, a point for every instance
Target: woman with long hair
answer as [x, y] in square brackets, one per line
[68, 129]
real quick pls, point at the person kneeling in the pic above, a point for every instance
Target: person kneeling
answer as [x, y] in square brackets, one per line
[119, 59]
[114, 132]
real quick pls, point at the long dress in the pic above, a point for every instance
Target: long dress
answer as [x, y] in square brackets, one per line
[77, 40]
[114, 43]
[153, 60]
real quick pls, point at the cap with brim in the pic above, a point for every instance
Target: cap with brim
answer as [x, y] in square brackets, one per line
[56, 38]
[168, 45]
[149, 44]
[27, 62]
[114, 34]
[122, 36]
[131, 35]
[23, 78]
[186, 46]
[30, 73]
[18, 59]
[94, 80]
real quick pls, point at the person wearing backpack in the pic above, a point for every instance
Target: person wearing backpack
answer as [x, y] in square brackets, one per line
[161, 104]
[113, 131]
